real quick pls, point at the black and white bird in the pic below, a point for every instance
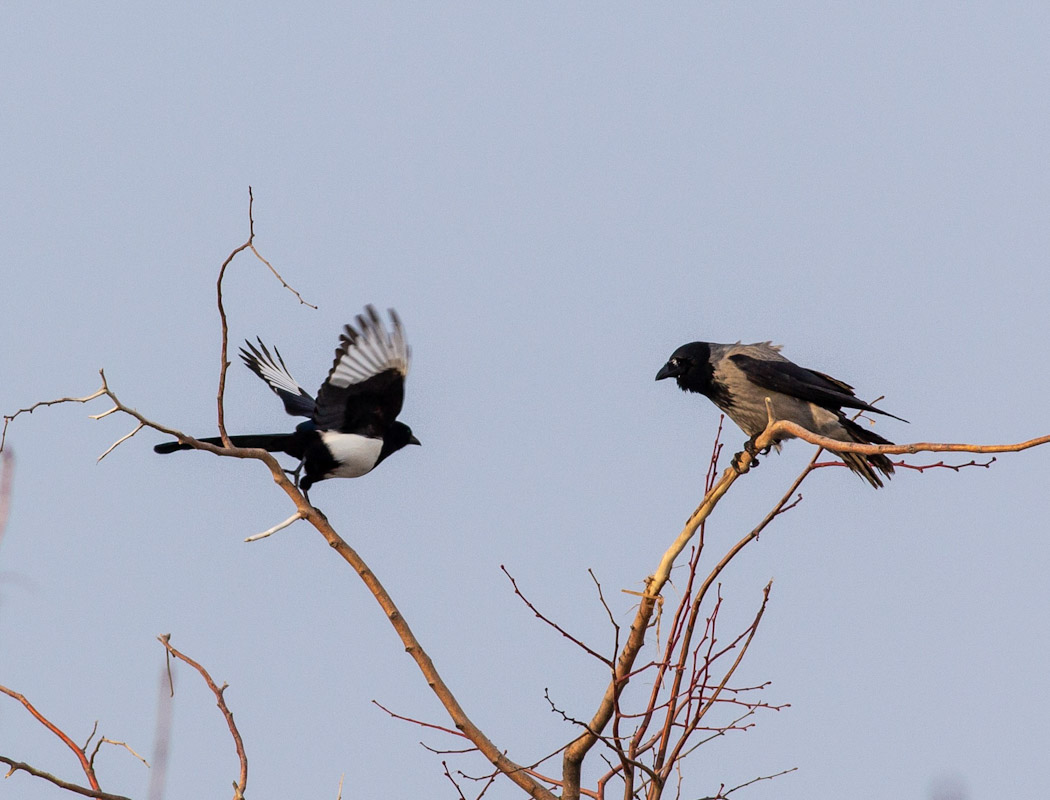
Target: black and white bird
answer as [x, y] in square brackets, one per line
[352, 424]
[739, 377]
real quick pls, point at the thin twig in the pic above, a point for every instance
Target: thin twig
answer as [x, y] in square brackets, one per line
[448, 775]
[920, 467]
[298, 515]
[125, 745]
[422, 724]
[8, 418]
[673, 756]
[723, 794]
[120, 441]
[553, 624]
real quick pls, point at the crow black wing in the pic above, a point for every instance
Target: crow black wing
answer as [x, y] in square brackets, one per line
[271, 369]
[789, 378]
[365, 388]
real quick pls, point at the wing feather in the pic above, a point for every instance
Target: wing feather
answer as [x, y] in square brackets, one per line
[365, 387]
[789, 378]
[272, 370]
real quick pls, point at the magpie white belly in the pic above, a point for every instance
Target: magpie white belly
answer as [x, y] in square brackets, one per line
[354, 454]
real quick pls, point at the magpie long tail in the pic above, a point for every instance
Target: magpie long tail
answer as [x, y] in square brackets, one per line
[865, 466]
[272, 442]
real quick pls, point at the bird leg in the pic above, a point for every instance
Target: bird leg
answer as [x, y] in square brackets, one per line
[295, 479]
[295, 474]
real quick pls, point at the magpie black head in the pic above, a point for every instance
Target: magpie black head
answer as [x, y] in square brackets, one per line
[398, 435]
[691, 366]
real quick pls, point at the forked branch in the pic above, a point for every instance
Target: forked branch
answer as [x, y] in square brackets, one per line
[86, 762]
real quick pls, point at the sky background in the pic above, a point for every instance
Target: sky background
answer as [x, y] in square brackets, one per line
[554, 198]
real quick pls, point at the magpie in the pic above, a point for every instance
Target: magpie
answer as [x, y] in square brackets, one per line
[739, 377]
[352, 425]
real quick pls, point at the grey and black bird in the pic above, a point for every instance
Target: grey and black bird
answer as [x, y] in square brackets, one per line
[352, 425]
[739, 377]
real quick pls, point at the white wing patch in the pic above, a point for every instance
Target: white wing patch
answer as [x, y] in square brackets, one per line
[272, 370]
[370, 351]
[356, 454]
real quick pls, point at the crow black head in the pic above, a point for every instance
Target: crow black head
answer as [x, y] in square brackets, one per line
[691, 366]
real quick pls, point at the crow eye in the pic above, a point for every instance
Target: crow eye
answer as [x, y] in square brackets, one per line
[676, 362]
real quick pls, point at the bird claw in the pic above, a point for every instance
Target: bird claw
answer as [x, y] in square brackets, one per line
[753, 451]
[736, 463]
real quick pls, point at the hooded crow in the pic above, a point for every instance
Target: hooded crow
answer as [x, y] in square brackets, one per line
[352, 424]
[739, 377]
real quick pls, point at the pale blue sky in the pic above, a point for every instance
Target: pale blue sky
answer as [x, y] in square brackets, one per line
[554, 199]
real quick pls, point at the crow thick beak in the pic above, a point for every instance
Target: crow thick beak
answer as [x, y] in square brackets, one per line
[414, 440]
[668, 370]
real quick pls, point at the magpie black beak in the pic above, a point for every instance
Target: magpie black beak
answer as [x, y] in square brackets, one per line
[668, 370]
[414, 440]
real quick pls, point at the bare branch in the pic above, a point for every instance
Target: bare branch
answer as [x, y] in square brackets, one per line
[79, 752]
[242, 780]
[723, 792]
[783, 428]
[420, 722]
[224, 362]
[280, 526]
[413, 647]
[8, 418]
[577, 750]
[453, 781]
[277, 275]
[920, 467]
[553, 624]
[103, 740]
[120, 441]
[673, 756]
[20, 766]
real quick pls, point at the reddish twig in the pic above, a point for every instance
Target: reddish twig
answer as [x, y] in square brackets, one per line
[453, 781]
[420, 723]
[553, 624]
[79, 752]
[716, 452]
[242, 780]
[920, 467]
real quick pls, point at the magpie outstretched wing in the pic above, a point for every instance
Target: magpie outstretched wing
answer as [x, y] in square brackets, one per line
[271, 369]
[365, 388]
[789, 378]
